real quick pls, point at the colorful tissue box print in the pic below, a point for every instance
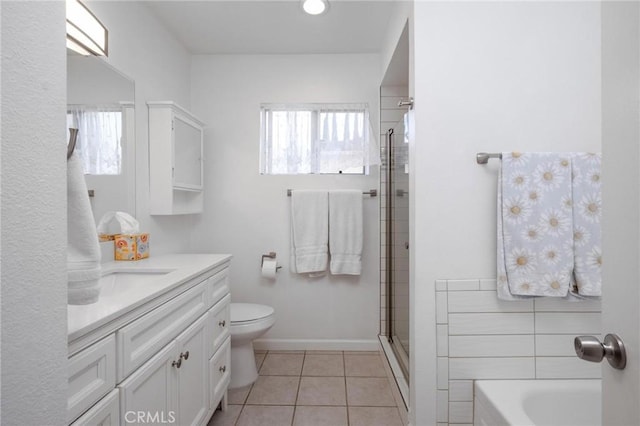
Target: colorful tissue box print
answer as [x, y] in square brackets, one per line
[131, 247]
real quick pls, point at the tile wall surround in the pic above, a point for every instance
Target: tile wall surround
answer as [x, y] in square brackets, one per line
[482, 337]
[390, 115]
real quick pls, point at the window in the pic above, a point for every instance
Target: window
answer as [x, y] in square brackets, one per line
[316, 139]
[99, 142]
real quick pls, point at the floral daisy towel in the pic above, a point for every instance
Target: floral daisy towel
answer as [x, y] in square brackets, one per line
[549, 225]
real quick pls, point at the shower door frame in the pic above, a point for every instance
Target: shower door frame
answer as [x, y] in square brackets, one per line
[389, 256]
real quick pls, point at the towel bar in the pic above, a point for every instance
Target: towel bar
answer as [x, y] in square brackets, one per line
[371, 192]
[483, 157]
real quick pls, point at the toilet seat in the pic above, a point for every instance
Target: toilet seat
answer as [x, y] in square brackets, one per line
[246, 313]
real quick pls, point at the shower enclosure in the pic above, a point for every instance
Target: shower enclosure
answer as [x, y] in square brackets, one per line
[396, 219]
[394, 213]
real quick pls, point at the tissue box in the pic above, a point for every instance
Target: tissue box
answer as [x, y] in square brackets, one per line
[131, 246]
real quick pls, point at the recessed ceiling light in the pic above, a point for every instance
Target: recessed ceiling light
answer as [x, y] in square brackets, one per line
[315, 7]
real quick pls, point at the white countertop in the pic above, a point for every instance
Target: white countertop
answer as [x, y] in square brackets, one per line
[145, 294]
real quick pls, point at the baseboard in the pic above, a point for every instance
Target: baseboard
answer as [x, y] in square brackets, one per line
[316, 345]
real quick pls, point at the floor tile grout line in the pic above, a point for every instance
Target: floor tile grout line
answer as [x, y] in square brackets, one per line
[295, 407]
[346, 391]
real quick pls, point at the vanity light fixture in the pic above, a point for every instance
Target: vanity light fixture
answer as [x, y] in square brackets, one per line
[85, 33]
[315, 7]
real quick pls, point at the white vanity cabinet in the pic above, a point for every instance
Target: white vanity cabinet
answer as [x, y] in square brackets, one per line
[165, 363]
[175, 160]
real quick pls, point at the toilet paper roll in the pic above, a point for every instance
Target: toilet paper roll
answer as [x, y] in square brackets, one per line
[269, 268]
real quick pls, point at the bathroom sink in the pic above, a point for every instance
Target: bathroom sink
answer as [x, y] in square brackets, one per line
[117, 282]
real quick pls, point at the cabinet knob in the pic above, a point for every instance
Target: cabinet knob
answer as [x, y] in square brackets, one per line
[222, 323]
[177, 363]
[184, 355]
[223, 368]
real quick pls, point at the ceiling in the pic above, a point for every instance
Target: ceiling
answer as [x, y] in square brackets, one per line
[274, 27]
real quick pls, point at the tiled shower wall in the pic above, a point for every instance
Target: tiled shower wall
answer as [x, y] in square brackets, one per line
[482, 337]
[390, 115]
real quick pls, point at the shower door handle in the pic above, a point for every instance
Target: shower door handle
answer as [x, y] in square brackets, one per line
[406, 245]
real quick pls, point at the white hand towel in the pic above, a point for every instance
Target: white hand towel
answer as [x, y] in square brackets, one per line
[587, 232]
[309, 231]
[83, 249]
[345, 232]
[535, 256]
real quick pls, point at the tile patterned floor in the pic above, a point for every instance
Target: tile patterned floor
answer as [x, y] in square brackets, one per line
[314, 388]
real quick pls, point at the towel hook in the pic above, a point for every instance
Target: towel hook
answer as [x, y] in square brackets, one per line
[71, 146]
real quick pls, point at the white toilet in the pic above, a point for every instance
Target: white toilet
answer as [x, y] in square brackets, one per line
[248, 322]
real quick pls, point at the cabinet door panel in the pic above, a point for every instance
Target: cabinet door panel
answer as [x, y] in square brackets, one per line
[187, 153]
[149, 395]
[193, 386]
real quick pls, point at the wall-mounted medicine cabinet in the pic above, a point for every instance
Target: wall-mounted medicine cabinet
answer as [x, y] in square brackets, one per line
[175, 160]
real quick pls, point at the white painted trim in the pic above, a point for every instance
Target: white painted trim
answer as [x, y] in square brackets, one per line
[316, 345]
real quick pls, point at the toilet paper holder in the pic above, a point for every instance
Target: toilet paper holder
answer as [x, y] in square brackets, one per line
[270, 255]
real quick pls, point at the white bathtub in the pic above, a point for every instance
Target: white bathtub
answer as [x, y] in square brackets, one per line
[537, 402]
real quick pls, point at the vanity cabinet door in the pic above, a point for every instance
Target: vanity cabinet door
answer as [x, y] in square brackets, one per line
[149, 394]
[187, 153]
[193, 383]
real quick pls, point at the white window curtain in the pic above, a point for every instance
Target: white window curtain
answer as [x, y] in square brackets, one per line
[99, 142]
[317, 138]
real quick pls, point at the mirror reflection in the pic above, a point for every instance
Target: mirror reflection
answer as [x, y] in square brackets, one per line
[100, 104]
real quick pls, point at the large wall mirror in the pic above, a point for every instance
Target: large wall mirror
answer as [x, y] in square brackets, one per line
[100, 104]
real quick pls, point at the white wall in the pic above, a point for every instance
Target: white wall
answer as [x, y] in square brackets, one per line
[34, 281]
[145, 51]
[247, 214]
[90, 81]
[402, 11]
[489, 77]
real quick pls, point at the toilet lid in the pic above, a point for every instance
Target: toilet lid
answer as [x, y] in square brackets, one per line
[243, 312]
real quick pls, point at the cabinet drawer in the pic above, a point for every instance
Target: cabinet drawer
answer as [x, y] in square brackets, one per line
[105, 413]
[219, 374]
[218, 286]
[219, 323]
[92, 374]
[140, 340]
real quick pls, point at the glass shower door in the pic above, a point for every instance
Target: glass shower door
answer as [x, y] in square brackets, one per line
[397, 242]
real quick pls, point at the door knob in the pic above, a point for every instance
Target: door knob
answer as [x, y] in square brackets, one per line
[591, 349]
